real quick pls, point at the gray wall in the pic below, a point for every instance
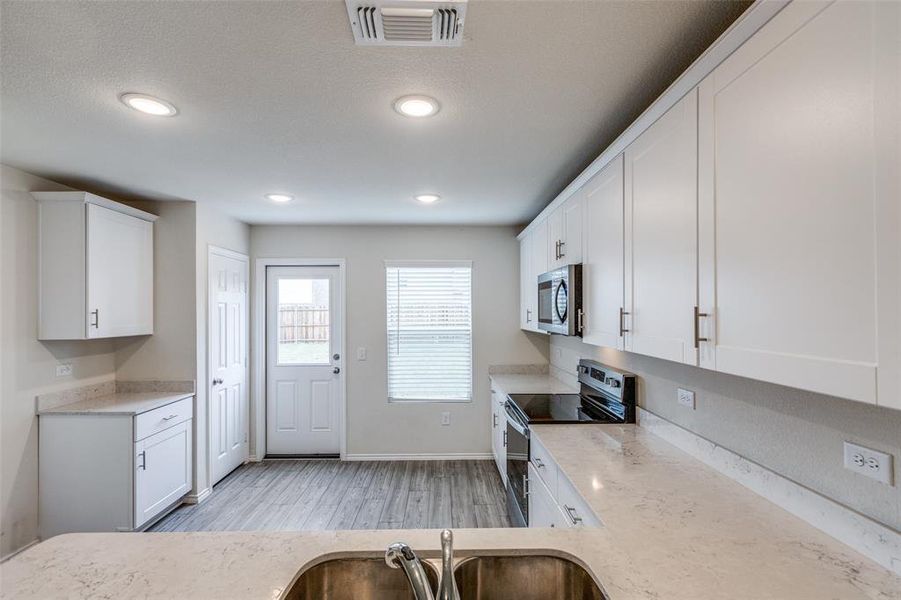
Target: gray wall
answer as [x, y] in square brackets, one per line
[29, 366]
[373, 425]
[794, 433]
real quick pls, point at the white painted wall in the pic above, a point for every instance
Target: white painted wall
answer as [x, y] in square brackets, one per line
[170, 352]
[373, 425]
[27, 366]
[795, 433]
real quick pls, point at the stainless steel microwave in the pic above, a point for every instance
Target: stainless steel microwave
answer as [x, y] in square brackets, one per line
[560, 300]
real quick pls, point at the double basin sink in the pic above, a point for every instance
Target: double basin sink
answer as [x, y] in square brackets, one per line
[478, 578]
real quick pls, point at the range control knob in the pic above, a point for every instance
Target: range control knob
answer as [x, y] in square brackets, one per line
[614, 383]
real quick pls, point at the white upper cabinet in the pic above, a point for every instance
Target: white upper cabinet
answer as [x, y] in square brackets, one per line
[96, 267]
[661, 211]
[602, 270]
[799, 217]
[565, 234]
[540, 254]
[527, 287]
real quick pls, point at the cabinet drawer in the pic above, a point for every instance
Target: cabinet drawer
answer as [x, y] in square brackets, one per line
[544, 464]
[163, 417]
[574, 507]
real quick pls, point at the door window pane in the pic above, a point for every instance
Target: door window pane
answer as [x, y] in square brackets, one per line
[303, 322]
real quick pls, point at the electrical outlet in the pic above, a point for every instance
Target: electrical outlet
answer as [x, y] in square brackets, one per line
[64, 369]
[445, 418]
[361, 353]
[686, 398]
[871, 463]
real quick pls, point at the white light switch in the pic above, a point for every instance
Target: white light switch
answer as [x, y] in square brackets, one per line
[686, 398]
[445, 418]
[63, 369]
[361, 353]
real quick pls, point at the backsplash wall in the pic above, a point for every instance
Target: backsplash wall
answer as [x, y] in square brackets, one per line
[795, 433]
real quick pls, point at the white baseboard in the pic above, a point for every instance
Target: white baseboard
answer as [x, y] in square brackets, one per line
[198, 498]
[460, 456]
[874, 540]
[20, 550]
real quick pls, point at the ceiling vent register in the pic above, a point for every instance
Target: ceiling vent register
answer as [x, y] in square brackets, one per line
[406, 22]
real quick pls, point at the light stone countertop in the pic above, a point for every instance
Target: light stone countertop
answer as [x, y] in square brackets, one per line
[532, 384]
[118, 403]
[695, 533]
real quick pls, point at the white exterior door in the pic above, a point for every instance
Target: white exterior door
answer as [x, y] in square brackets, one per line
[229, 408]
[661, 191]
[602, 269]
[303, 360]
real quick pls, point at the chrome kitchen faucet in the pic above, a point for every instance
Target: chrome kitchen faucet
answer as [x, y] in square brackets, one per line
[401, 556]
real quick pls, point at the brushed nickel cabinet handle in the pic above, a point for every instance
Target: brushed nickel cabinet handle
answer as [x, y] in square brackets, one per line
[573, 515]
[561, 245]
[622, 324]
[579, 316]
[96, 323]
[143, 465]
[697, 318]
[169, 418]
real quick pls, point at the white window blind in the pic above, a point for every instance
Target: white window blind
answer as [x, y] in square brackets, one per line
[429, 331]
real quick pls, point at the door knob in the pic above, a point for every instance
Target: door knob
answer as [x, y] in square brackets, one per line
[336, 370]
[218, 382]
[336, 356]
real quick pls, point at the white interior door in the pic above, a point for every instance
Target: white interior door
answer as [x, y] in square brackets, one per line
[303, 360]
[229, 409]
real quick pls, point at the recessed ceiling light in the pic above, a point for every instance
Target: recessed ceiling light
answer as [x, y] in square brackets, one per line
[416, 106]
[280, 197]
[428, 198]
[149, 105]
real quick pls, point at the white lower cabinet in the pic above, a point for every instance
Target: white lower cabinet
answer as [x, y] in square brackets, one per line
[162, 471]
[499, 433]
[543, 509]
[553, 499]
[124, 470]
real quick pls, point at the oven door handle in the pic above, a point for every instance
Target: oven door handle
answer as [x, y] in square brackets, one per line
[513, 421]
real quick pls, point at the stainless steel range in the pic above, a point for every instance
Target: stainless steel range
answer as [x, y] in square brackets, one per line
[605, 396]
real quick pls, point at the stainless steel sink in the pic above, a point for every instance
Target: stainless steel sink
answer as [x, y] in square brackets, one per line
[355, 579]
[524, 578]
[478, 578]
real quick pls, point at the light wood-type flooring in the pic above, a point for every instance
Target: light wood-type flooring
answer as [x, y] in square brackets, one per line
[293, 495]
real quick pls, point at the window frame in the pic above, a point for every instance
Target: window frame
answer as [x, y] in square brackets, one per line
[433, 264]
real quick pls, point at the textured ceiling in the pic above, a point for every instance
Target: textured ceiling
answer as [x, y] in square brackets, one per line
[275, 96]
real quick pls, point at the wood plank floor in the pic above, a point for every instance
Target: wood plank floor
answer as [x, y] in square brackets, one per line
[294, 495]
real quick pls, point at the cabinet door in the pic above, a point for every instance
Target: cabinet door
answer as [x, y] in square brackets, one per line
[797, 169]
[556, 231]
[661, 235]
[543, 510]
[571, 247]
[540, 256]
[527, 286]
[119, 274]
[162, 471]
[602, 265]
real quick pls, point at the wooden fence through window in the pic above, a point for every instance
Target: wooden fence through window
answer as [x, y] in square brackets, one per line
[302, 323]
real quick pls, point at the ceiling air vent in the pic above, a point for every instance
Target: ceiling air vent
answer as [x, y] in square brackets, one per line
[406, 22]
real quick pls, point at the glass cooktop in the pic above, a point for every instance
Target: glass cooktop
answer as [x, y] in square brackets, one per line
[561, 408]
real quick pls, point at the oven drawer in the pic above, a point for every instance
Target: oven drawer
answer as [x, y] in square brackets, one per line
[158, 419]
[544, 464]
[575, 509]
